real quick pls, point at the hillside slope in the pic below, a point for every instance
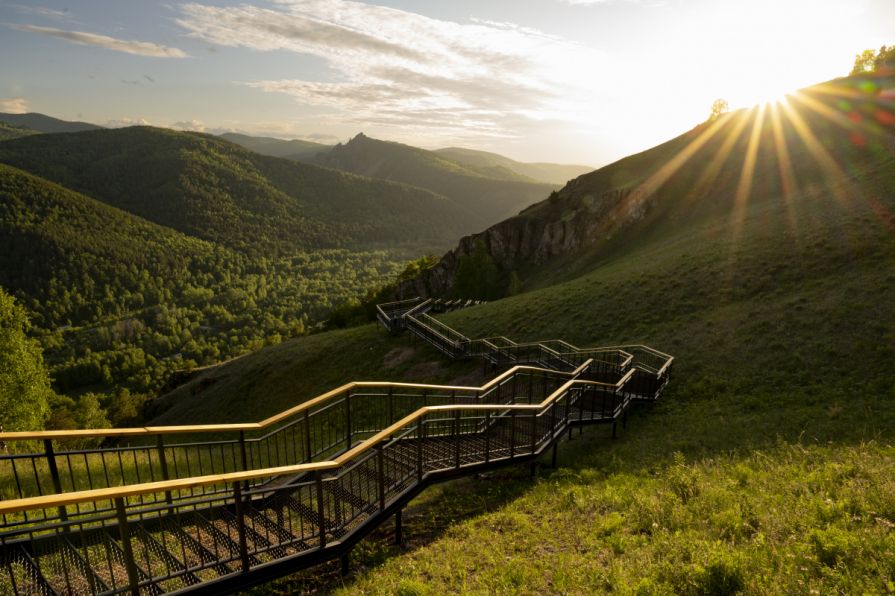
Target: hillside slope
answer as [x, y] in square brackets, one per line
[807, 147]
[766, 266]
[294, 149]
[491, 199]
[214, 190]
[551, 173]
[44, 123]
[8, 132]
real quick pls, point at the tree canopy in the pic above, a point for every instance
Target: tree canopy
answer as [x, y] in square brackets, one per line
[874, 61]
[24, 382]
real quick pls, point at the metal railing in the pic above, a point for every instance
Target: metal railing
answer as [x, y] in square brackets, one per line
[161, 511]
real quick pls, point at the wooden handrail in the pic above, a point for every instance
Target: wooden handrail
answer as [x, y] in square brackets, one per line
[267, 422]
[103, 494]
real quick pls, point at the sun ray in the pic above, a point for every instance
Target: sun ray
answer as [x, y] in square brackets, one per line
[738, 122]
[784, 166]
[747, 178]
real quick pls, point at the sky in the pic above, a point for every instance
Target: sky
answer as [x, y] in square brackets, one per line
[564, 81]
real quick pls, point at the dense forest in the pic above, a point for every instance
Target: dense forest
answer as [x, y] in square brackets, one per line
[123, 306]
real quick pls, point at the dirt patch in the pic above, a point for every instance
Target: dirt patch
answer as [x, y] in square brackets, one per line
[397, 357]
[424, 371]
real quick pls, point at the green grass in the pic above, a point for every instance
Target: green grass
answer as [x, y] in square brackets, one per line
[766, 468]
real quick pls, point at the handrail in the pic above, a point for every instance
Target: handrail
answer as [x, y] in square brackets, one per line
[201, 428]
[132, 490]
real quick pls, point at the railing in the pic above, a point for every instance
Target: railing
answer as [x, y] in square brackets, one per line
[151, 514]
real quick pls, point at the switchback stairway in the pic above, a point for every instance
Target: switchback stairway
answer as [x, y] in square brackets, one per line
[216, 508]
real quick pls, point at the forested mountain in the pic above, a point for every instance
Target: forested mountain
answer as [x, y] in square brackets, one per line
[43, 123]
[495, 164]
[294, 149]
[123, 302]
[491, 199]
[8, 131]
[214, 190]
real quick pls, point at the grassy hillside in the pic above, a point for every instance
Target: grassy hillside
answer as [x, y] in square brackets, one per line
[46, 124]
[294, 149]
[486, 162]
[490, 198]
[214, 190]
[768, 271]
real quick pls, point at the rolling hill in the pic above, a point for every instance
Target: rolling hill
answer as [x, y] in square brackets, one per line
[491, 199]
[294, 149]
[44, 123]
[214, 190]
[8, 132]
[759, 250]
[485, 162]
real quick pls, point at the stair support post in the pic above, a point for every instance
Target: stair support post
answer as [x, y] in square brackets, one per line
[308, 455]
[241, 526]
[399, 531]
[348, 419]
[133, 577]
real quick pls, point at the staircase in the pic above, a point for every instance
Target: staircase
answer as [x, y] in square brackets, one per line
[217, 508]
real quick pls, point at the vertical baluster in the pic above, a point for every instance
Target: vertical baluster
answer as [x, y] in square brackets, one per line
[241, 526]
[54, 475]
[308, 455]
[133, 577]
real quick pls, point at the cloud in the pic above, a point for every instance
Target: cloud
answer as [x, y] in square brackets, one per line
[122, 122]
[42, 11]
[190, 125]
[15, 105]
[401, 69]
[139, 48]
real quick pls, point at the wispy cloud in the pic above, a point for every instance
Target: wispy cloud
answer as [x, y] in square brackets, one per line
[42, 11]
[402, 69]
[15, 105]
[139, 48]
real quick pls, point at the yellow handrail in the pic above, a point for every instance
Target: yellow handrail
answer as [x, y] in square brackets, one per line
[102, 494]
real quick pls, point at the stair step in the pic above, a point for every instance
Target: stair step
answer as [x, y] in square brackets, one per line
[158, 561]
[263, 518]
[64, 569]
[193, 552]
[310, 514]
[20, 574]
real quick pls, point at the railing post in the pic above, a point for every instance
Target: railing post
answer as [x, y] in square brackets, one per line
[348, 418]
[163, 464]
[512, 434]
[534, 432]
[391, 405]
[456, 432]
[420, 432]
[380, 473]
[54, 475]
[531, 379]
[308, 436]
[487, 436]
[241, 526]
[124, 534]
[321, 510]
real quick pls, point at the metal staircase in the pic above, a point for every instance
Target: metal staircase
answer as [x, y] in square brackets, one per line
[216, 508]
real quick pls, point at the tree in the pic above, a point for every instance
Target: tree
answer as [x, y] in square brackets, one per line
[719, 108]
[874, 61]
[477, 275]
[24, 381]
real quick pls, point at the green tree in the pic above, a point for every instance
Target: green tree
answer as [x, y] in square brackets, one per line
[874, 61]
[515, 285]
[719, 108]
[477, 275]
[24, 382]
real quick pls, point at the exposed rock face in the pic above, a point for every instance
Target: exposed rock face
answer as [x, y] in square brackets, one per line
[579, 215]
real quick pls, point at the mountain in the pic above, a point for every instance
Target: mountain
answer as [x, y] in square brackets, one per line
[8, 132]
[486, 162]
[45, 124]
[214, 190]
[489, 198]
[759, 250]
[294, 149]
